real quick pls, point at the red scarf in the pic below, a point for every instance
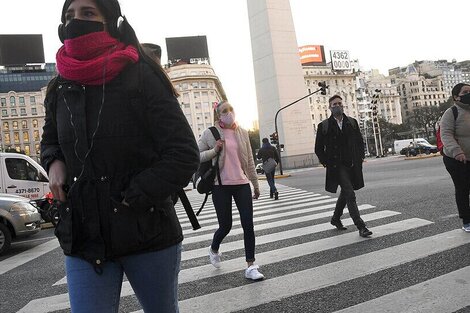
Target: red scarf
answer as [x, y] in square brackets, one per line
[83, 59]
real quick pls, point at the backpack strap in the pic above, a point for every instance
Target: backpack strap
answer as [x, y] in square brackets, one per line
[455, 111]
[216, 135]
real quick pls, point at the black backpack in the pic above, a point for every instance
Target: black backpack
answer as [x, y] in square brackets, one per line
[203, 179]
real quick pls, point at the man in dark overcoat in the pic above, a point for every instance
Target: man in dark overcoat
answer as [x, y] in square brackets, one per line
[340, 148]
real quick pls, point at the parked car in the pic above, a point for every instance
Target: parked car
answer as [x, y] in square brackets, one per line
[259, 168]
[18, 218]
[418, 148]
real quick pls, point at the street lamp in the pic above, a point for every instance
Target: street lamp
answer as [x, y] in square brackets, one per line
[322, 88]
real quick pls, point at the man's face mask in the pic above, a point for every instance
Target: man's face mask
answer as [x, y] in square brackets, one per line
[465, 98]
[76, 28]
[337, 110]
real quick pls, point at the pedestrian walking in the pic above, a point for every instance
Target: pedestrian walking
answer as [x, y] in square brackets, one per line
[270, 158]
[237, 170]
[455, 130]
[340, 148]
[114, 160]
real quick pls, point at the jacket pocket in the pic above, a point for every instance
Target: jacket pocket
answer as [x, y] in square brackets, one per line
[133, 230]
[64, 229]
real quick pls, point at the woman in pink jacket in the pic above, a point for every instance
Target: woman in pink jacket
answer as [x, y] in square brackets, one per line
[237, 170]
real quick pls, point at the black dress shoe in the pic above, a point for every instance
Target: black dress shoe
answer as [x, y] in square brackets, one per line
[276, 195]
[364, 232]
[271, 195]
[338, 224]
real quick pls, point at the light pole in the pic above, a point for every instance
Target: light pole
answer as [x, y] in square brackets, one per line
[322, 88]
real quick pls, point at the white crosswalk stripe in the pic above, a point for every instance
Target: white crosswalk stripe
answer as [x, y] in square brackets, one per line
[297, 226]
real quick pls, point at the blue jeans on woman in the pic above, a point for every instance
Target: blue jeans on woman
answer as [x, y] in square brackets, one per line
[153, 277]
[222, 199]
[270, 180]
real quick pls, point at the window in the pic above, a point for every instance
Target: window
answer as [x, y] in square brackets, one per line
[32, 100]
[20, 169]
[4, 102]
[34, 111]
[4, 113]
[36, 135]
[22, 111]
[21, 100]
[6, 126]
[15, 125]
[35, 123]
[25, 137]
[203, 84]
[13, 112]
[12, 101]
[26, 150]
[7, 139]
[16, 137]
[24, 124]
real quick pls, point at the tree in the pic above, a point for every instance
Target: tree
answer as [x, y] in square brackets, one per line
[426, 118]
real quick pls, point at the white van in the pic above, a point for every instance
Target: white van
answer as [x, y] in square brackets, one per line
[400, 144]
[22, 176]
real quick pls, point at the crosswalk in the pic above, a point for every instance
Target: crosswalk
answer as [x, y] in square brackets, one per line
[301, 255]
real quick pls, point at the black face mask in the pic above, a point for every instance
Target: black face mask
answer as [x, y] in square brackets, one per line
[465, 99]
[77, 28]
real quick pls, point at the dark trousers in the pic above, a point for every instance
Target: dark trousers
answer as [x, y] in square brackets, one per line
[270, 179]
[347, 196]
[222, 199]
[460, 173]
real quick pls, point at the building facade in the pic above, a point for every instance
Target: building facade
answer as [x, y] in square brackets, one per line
[416, 91]
[22, 119]
[199, 88]
[343, 84]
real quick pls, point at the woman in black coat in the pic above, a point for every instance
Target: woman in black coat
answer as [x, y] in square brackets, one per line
[116, 146]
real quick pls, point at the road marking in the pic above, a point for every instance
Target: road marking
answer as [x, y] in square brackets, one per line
[238, 231]
[61, 302]
[444, 294]
[264, 210]
[269, 290]
[29, 255]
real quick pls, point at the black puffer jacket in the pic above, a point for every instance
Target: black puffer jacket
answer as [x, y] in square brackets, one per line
[140, 149]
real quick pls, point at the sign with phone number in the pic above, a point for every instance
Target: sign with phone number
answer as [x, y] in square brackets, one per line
[27, 190]
[340, 60]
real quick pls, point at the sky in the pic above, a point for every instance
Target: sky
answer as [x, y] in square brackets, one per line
[380, 34]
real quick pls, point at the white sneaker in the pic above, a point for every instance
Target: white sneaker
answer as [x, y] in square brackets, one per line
[466, 228]
[253, 273]
[215, 258]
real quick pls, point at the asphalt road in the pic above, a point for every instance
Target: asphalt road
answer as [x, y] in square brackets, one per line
[309, 266]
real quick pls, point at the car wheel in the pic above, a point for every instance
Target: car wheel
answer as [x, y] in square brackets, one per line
[5, 238]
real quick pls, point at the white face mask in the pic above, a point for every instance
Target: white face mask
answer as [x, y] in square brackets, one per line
[228, 118]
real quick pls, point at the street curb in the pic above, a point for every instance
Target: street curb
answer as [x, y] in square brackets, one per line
[276, 176]
[425, 156]
[46, 225]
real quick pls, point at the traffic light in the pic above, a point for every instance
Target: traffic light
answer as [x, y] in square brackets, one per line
[323, 87]
[274, 138]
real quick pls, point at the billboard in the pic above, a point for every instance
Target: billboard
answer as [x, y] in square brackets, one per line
[21, 49]
[187, 48]
[312, 55]
[340, 60]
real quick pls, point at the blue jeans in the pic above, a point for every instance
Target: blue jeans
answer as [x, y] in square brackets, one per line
[153, 277]
[222, 199]
[270, 179]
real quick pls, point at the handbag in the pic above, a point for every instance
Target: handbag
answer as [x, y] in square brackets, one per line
[269, 166]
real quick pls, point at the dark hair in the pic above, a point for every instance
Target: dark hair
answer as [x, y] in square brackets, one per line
[457, 88]
[111, 11]
[334, 97]
[265, 140]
